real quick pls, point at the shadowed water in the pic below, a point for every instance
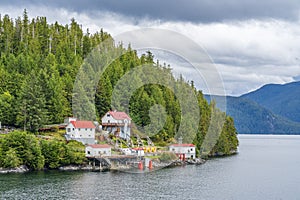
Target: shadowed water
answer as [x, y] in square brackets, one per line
[267, 167]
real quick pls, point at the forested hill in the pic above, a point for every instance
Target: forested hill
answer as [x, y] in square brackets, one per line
[272, 109]
[283, 100]
[253, 118]
[38, 66]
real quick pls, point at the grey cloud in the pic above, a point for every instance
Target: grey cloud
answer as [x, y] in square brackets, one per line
[181, 10]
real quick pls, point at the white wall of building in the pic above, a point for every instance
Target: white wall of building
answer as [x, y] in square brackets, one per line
[90, 151]
[190, 152]
[112, 125]
[107, 118]
[84, 135]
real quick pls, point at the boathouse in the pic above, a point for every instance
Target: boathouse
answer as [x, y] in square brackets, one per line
[97, 150]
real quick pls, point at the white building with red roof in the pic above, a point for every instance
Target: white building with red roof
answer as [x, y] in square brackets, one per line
[117, 123]
[82, 131]
[97, 150]
[184, 150]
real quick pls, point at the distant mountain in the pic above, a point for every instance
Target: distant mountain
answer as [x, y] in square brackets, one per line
[251, 117]
[283, 100]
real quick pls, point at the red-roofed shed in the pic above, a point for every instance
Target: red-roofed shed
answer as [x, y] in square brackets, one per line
[184, 150]
[99, 146]
[183, 145]
[97, 150]
[83, 124]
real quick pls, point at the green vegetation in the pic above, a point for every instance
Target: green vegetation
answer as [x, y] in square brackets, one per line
[21, 148]
[38, 66]
[168, 157]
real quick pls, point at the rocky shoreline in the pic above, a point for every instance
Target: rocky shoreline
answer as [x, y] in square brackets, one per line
[157, 165]
[21, 169]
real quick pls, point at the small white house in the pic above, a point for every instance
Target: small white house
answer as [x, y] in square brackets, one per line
[117, 123]
[184, 150]
[97, 150]
[139, 151]
[81, 131]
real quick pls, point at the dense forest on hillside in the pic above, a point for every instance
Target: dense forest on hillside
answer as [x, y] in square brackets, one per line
[282, 100]
[253, 118]
[39, 63]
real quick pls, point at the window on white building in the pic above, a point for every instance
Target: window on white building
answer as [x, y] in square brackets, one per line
[90, 129]
[108, 115]
[69, 129]
[89, 152]
[86, 129]
[79, 129]
[191, 149]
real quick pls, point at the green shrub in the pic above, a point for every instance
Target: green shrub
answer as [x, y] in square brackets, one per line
[168, 156]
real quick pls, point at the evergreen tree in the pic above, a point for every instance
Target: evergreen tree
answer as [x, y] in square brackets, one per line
[6, 108]
[10, 159]
[32, 114]
[23, 149]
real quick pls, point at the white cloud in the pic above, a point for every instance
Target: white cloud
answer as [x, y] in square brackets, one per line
[247, 54]
[239, 80]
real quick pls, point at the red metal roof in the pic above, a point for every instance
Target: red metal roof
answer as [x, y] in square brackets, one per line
[182, 145]
[138, 148]
[83, 124]
[119, 115]
[99, 146]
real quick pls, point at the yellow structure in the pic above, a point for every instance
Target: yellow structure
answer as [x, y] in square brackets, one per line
[150, 149]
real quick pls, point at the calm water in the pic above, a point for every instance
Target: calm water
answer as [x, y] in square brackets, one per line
[267, 167]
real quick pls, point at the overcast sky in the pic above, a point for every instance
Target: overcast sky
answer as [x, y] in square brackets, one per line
[251, 43]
